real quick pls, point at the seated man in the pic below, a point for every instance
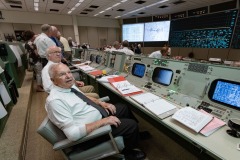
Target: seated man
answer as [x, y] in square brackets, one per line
[69, 111]
[54, 56]
[158, 54]
[125, 48]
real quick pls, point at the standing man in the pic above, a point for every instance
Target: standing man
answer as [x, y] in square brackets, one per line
[43, 42]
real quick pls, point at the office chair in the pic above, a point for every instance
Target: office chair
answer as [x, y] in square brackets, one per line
[57, 138]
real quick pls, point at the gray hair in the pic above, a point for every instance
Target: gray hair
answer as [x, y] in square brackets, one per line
[52, 70]
[45, 28]
[49, 49]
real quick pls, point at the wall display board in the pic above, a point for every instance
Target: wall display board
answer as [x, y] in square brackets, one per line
[206, 31]
[133, 32]
[236, 36]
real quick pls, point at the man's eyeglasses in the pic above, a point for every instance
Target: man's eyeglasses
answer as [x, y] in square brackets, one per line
[56, 52]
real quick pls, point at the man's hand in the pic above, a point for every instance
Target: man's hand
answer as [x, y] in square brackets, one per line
[79, 83]
[108, 107]
[112, 120]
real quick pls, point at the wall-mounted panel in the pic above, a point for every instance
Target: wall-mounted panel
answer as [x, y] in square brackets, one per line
[83, 35]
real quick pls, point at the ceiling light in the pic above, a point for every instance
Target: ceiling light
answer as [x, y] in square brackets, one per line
[36, 1]
[146, 7]
[116, 4]
[101, 11]
[78, 4]
[36, 4]
[118, 17]
[108, 8]
[81, 1]
[36, 8]
[124, 1]
[96, 14]
[69, 12]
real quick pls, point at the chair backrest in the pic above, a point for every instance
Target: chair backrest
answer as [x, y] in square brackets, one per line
[50, 132]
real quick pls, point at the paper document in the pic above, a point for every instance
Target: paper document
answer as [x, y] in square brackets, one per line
[17, 54]
[86, 68]
[211, 127]
[3, 111]
[4, 94]
[124, 87]
[192, 118]
[154, 103]
[105, 78]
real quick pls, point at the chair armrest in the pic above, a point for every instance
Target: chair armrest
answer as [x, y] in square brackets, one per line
[63, 144]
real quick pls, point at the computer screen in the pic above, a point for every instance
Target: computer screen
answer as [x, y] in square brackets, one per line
[92, 58]
[156, 31]
[138, 70]
[98, 59]
[225, 92]
[162, 76]
[133, 32]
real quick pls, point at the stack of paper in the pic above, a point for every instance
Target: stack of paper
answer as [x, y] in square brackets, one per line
[155, 104]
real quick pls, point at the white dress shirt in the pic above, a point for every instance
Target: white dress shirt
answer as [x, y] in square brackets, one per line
[69, 113]
[156, 54]
[43, 42]
[47, 83]
[126, 51]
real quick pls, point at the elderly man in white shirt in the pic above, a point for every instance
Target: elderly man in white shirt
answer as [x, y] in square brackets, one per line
[158, 54]
[43, 42]
[54, 57]
[125, 48]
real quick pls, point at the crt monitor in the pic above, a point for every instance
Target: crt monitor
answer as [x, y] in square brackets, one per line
[225, 92]
[138, 70]
[92, 58]
[98, 59]
[162, 76]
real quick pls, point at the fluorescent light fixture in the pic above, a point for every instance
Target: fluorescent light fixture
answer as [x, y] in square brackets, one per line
[36, 1]
[124, 1]
[36, 8]
[78, 4]
[81, 1]
[108, 8]
[101, 11]
[116, 4]
[146, 7]
[118, 17]
[96, 15]
[69, 12]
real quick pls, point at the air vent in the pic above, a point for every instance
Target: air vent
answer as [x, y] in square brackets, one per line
[13, 2]
[13, 6]
[88, 10]
[93, 6]
[83, 13]
[54, 10]
[141, 13]
[164, 6]
[121, 10]
[107, 15]
[58, 2]
[179, 2]
[140, 2]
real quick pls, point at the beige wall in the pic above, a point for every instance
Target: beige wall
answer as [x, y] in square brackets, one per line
[91, 30]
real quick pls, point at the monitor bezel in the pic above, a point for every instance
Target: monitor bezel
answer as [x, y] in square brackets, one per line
[160, 68]
[133, 67]
[212, 89]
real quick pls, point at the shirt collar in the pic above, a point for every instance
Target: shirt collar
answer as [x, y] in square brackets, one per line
[65, 90]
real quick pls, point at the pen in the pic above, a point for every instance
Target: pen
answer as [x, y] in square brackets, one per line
[125, 89]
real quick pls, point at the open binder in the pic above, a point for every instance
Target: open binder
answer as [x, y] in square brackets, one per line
[192, 118]
[123, 86]
[155, 104]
